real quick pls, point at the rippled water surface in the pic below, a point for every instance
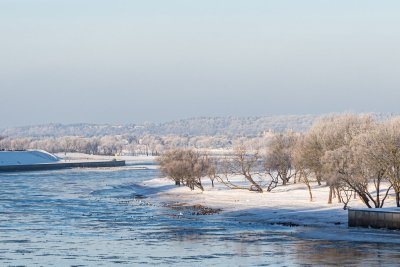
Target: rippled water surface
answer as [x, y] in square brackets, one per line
[103, 218]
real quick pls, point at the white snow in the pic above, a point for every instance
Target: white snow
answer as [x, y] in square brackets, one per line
[11, 158]
[284, 204]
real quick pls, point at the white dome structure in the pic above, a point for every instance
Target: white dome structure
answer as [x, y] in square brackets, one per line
[29, 157]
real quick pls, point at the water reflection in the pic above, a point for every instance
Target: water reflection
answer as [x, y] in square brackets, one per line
[322, 253]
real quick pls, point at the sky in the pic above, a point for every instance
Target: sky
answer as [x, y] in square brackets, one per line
[130, 61]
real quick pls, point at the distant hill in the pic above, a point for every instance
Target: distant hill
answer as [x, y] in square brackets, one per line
[200, 126]
[233, 126]
[228, 126]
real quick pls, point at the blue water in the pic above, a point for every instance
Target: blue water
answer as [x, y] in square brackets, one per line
[104, 218]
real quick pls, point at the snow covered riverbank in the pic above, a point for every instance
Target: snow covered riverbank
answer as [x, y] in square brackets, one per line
[284, 205]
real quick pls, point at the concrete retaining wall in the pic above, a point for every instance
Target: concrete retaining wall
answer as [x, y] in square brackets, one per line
[57, 166]
[374, 218]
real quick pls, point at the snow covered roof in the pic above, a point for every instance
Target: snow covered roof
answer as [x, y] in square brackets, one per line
[11, 158]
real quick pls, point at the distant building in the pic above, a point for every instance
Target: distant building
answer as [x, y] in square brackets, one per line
[12, 158]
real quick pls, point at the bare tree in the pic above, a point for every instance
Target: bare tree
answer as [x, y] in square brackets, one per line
[247, 164]
[302, 166]
[353, 171]
[332, 133]
[308, 153]
[222, 172]
[380, 150]
[345, 193]
[243, 163]
[185, 166]
[279, 158]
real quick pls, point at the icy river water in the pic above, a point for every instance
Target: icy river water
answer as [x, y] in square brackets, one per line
[104, 218]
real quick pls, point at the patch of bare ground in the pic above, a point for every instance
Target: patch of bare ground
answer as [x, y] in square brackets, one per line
[195, 209]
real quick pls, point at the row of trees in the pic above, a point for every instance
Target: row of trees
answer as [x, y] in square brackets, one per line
[354, 155]
[126, 144]
[107, 145]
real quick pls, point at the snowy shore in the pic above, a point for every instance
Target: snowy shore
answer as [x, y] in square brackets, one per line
[285, 206]
[289, 204]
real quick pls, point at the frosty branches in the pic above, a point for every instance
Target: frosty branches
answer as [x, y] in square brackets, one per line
[185, 166]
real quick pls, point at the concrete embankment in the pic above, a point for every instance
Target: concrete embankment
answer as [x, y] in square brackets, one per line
[62, 165]
[375, 218]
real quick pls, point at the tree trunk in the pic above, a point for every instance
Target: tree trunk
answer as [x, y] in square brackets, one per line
[378, 201]
[330, 195]
[338, 195]
[318, 179]
[364, 199]
[199, 185]
[309, 191]
[259, 189]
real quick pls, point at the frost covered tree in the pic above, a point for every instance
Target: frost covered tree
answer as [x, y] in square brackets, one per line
[302, 166]
[351, 160]
[242, 163]
[370, 153]
[393, 158]
[308, 153]
[330, 134]
[278, 161]
[185, 166]
[382, 148]
[339, 167]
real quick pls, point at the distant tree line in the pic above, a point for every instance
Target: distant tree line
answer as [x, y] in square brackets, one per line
[231, 127]
[149, 145]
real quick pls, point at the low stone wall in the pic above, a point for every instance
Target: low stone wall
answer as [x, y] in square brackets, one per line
[374, 218]
[57, 166]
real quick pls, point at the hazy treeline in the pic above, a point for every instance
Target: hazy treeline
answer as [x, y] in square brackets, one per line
[150, 138]
[149, 145]
[355, 155]
[231, 127]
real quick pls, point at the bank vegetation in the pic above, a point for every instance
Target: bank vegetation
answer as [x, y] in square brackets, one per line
[356, 156]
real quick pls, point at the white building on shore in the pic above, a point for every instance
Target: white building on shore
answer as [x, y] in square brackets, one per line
[14, 158]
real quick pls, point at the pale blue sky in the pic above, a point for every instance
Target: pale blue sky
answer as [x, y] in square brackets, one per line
[133, 61]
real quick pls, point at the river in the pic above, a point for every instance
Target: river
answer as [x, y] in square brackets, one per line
[104, 218]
